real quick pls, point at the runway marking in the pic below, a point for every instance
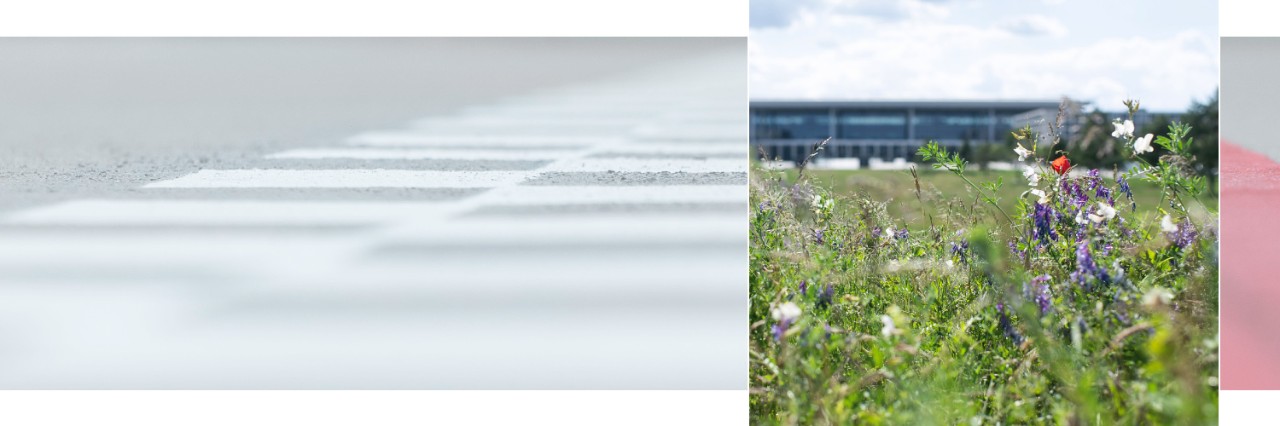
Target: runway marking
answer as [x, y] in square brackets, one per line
[354, 178]
[227, 212]
[624, 165]
[418, 139]
[551, 195]
[420, 154]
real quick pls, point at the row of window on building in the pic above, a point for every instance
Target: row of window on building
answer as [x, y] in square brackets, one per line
[883, 124]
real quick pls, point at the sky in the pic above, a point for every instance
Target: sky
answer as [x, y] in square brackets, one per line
[1165, 54]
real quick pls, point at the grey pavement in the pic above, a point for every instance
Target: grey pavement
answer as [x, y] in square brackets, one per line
[373, 213]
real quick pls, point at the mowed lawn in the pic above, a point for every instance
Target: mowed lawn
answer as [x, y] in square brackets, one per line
[898, 188]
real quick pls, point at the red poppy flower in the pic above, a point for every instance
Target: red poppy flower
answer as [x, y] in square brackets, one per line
[1061, 164]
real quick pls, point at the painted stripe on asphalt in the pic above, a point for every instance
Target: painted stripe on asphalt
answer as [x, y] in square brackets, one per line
[623, 165]
[420, 154]
[354, 178]
[553, 231]
[548, 195]
[226, 212]
[418, 139]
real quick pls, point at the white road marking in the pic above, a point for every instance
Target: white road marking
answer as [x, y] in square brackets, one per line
[565, 195]
[227, 212]
[419, 139]
[647, 165]
[353, 178]
[421, 154]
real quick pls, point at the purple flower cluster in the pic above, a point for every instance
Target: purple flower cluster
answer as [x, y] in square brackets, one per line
[780, 328]
[961, 250]
[1006, 325]
[827, 295]
[1075, 195]
[1128, 193]
[1185, 235]
[1087, 268]
[1038, 291]
[1043, 216]
[818, 236]
[902, 234]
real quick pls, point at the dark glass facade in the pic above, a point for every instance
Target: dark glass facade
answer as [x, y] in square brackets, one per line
[952, 125]
[872, 125]
[787, 124]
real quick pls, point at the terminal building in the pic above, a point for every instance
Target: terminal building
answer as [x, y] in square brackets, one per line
[886, 130]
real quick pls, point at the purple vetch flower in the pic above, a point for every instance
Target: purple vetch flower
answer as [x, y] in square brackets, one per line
[1043, 231]
[1074, 194]
[1128, 193]
[804, 286]
[961, 250]
[1185, 235]
[1013, 248]
[827, 295]
[785, 314]
[818, 236]
[1038, 291]
[1006, 325]
[875, 233]
[902, 235]
[1086, 268]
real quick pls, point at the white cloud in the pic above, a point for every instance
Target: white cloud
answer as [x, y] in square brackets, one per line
[1034, 25]
[826, 56]
[889, 10]
[776, 13]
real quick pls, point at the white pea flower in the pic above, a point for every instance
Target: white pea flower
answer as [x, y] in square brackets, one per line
[1166, 224]
[1033, 178]
[786, 312]
[1142, 144]
[1044, 198]
[1080, 217]
[888, 328]
[1023, 153]
[1157, 296]
[889, 234]
[1124, 129]
[1105, 212]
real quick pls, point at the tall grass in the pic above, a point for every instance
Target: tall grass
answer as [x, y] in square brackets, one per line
[984, 310]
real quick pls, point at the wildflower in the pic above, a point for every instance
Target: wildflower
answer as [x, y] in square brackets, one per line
[1023, 153]
[889, 234]
[1044, 198]
[1085, 267]
[888, 328]
[903, 234]
[1043, 231]
[1185, 236]
[826, 296]
[1124, 129]
[1157, 297]
[1007, 326]
[1033, 178]
[818, 235]
[785, 314]
[804, 286]
[1080, 217]
[1142, 144]
[1166, 224]
[1061, 164]
[1040, 293]
[961, 249]
[1105, 212]
[1128, 193]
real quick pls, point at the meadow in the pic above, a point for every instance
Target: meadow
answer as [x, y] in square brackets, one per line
[952, 296]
